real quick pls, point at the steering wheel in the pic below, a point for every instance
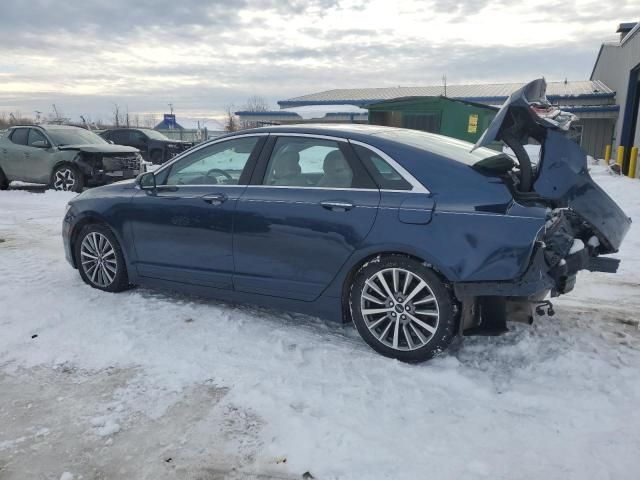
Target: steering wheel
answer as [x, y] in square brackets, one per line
[217, 172]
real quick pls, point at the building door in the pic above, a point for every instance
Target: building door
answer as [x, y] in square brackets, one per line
[628, 136]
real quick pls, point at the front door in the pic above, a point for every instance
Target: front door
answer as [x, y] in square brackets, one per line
[310, 205]
[38, 158]
[183, 230]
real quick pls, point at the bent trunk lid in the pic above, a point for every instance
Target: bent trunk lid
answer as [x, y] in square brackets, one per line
[562, 177]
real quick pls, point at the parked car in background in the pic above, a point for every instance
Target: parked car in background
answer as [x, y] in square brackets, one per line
[153, 145]
[63, 157]
[415, 237]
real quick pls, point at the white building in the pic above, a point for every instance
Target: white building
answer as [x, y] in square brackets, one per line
[618, 66]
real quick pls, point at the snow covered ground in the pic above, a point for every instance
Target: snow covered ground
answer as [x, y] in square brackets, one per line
[149, 385]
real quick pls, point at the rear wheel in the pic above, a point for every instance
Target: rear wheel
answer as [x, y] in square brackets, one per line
[99, 259]
[4, 182]
[67, 178]
[402, 309]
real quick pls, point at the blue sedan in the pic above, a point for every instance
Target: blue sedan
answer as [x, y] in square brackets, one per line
[415, 237]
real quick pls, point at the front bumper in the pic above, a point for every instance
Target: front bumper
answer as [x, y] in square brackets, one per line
[102, 177]
[67, 226]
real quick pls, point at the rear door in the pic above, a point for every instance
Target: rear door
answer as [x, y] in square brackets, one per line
[309, 206]
[183, 231]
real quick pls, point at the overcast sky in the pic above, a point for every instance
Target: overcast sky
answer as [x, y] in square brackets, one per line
[84, 55]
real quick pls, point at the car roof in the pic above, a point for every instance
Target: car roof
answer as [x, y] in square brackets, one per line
[347, 129]
[47, 126]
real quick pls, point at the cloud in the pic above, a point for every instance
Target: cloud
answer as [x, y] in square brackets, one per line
[204, 55]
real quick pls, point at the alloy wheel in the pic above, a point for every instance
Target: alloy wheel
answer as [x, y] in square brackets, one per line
[399, 309]
[64, 179]
[98, 259]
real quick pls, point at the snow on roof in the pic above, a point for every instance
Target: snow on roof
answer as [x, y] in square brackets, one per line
[478, 92]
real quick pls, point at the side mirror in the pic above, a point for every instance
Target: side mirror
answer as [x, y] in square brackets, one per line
[146, 181]
[40, 144]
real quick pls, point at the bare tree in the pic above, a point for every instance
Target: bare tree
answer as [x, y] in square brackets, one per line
[231, 122]
[255, 103]
[14, 118]
[150, 120]
[116, 114]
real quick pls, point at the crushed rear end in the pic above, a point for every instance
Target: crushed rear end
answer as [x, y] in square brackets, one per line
[583, 224]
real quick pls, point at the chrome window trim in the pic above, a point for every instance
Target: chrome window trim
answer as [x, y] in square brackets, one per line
[416, 186]
[351, 189]
[310, 135]
[204, 145]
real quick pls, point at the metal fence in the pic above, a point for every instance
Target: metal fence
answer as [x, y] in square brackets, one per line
[191, 135]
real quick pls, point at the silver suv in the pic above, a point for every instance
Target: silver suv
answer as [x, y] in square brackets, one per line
[63, 157]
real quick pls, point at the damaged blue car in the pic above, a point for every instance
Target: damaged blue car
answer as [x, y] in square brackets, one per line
[415, 237]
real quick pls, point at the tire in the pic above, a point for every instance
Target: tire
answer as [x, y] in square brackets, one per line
[156, 157]
[67, 178]
[415, 324]
[4, 182]
[109, 274]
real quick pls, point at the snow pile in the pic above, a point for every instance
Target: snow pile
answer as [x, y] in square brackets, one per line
[555, 400]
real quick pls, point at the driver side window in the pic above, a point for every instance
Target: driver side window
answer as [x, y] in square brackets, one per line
[218, 164]
[36, 136]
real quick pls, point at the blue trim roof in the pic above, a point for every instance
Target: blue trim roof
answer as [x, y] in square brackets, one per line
[483, 93]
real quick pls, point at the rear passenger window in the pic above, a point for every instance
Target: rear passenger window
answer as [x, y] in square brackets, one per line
[308, 162]
[384, 174]
[19, 136]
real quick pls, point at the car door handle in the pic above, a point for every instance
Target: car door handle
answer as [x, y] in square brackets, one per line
[215, 199]
[337, 206]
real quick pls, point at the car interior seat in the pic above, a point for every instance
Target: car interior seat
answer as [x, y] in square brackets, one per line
[286, 170]
[337, 173]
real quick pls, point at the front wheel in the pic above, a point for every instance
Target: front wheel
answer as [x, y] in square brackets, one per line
[99, 259]
[67, 178]
[157, 157]
[402, 309]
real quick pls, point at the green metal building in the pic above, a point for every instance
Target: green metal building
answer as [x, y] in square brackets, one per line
[446, 116]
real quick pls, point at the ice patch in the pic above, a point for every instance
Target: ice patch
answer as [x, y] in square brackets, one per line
[104, 426]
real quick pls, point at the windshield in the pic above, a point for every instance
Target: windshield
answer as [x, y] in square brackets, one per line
[74, 136]
[154, 134]
[444, 146]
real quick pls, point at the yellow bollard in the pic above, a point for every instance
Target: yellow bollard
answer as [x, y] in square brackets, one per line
[633, 160]
[607, 154]
[620, 157]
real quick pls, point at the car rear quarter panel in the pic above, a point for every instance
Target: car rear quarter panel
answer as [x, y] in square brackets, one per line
[476, 232]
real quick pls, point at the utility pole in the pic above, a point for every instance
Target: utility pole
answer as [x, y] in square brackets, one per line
[171, 108]
[56, 111]
[444, 83]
